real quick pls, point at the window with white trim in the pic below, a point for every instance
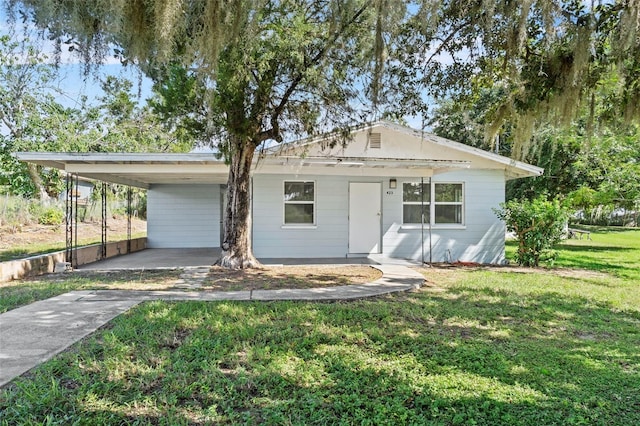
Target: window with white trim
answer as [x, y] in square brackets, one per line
[445, 200]
[448, 203]
[413, 198]
[299, 203]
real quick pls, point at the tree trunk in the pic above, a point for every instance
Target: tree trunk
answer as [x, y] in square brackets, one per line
[236, 246]
[41, 192]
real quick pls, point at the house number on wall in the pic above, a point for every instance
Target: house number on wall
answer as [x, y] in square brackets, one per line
[389, 192]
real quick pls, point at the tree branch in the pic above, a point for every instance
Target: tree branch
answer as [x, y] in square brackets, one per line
[446, 41]
[274, 132]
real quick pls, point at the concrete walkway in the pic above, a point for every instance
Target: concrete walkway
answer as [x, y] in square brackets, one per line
[35, 333]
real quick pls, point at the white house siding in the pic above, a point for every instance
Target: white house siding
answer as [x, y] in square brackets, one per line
[183, 216]
[481, 240]
[328, 238]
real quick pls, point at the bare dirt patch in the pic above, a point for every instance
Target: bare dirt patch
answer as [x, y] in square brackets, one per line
[219, 279]
[27, 238]
[298, 277]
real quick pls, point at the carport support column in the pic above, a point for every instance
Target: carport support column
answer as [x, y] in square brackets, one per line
[103, 246]
[75, 196]
[68, 230]
[129, 199]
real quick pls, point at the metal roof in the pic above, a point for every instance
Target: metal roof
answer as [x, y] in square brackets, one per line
[145, 169]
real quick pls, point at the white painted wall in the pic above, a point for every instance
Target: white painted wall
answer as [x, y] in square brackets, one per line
[189, 216]
[481, 239]
[183, 216]
[328, 238]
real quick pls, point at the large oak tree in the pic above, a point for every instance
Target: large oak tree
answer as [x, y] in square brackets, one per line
[272, 70]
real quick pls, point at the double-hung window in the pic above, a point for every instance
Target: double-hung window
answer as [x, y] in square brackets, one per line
[299, 203]
[415, 197]
[448, 203]
[442, 203]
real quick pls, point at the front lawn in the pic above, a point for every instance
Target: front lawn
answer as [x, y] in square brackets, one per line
[612, 250]
[474, 346]
[14, 294]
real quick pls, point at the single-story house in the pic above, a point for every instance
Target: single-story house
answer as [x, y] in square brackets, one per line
[391, 191]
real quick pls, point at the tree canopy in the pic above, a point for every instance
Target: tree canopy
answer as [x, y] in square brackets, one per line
[544, 55]
[34, 119]
[271, 70]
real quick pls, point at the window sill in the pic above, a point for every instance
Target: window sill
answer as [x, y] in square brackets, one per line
[437, 227]
[299, 227]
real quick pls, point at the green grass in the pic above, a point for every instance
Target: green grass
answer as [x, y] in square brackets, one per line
[611, 250]
[35, 249]
[19, 293]
[480, 347]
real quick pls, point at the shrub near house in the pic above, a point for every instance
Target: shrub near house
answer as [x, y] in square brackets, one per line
[538, 225]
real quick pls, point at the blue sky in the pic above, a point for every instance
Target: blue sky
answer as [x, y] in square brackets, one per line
[72, 84]
[71, 81]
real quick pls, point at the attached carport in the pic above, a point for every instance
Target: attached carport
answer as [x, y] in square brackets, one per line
[141, 170]
[194, 226]
[185, 203]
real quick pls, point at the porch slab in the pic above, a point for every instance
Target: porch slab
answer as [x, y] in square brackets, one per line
[173, 258]
[169, 258]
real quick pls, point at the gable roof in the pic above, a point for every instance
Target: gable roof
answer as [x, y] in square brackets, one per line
[403, 152]
[402, 144]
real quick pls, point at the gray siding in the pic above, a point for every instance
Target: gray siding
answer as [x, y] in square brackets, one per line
[329, 238]
[481, 240]
[183, 216]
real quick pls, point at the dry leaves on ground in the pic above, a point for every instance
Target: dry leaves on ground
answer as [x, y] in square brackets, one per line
[219, 279]
[298, 277]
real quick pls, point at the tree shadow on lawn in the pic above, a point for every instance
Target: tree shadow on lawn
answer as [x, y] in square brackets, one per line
[460, 356]
[575, 257]
[581, 356]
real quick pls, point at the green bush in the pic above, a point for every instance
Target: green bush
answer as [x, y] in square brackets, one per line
[51, 216]
[538, 224]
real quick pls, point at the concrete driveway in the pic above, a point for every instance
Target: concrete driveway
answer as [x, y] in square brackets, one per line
[157, 259]
[201, 257]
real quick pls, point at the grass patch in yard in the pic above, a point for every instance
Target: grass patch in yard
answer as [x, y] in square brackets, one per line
[18, 293]
[612, 251]
[481, 346]
[466, 353]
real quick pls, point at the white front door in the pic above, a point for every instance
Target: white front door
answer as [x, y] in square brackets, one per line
[365, 213]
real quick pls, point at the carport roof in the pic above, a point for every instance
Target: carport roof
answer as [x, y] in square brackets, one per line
[145, 169]
[406, 153]
[135, 169]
